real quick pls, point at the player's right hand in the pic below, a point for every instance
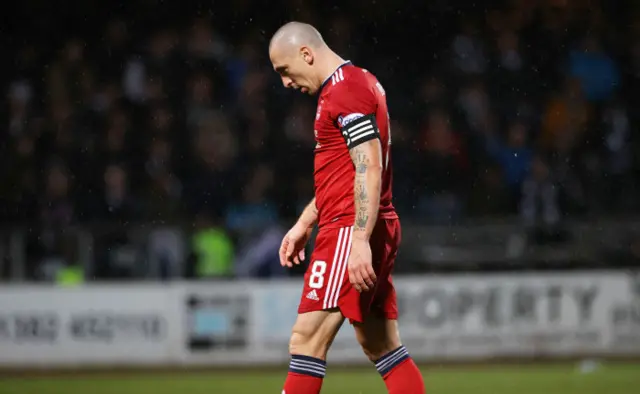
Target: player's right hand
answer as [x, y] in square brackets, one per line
[293, 243]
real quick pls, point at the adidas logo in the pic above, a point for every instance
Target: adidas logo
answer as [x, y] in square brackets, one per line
[312, 295]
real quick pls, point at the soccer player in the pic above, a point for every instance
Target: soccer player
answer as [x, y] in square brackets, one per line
[349, 275]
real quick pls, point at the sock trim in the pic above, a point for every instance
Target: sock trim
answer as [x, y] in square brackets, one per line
[306, 365]
[390, 360]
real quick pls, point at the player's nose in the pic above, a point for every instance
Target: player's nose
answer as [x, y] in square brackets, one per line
[287, 82]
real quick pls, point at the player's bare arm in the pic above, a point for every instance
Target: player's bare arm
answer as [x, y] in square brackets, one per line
[309, 215]
[367, 160]
[294, 242]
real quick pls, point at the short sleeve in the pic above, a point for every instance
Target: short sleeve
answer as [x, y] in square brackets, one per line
[354, 108]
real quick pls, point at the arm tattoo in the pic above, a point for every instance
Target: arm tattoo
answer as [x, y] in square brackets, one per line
[361, 162]
[361, 219]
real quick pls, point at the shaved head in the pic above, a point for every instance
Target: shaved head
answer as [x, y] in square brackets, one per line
[299, 54]
[294, 35]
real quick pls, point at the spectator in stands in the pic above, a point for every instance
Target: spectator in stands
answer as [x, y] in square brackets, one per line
[118, 144]
[467, 50]
[617, 156]
[205, 46]
[254, 210]
[594, 68]
[163, 187]
[475, 105]
[540, 203]
[513, 155]
[566, 117]
[19, 178]
[444, 163]
[70, 74]
[212, 179]
[259, 256]
[57, 206]
[51, 248]
[240, 63]
[212, 248]
[490, 196]
[432, 94]
[510, 75]
[200, 102]
[117, 204]
[20, 107]
[114, 51]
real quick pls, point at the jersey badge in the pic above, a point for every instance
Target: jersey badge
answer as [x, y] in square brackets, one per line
[343, 121]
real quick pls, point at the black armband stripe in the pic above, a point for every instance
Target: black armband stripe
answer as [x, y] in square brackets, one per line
[360, 130]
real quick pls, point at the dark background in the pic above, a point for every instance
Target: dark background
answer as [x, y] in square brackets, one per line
[120, 118]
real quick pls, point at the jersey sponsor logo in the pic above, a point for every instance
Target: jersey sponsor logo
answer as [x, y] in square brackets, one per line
[345, 120]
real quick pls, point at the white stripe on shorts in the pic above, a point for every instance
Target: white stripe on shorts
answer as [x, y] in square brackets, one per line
[333, 269]
[345, 260]
[339, 267]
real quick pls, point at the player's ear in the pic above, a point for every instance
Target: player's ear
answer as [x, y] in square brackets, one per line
[306, 55]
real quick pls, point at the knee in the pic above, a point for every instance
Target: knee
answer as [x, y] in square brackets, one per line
[308, 342]
[375, 351]
[378, 338]
[372, 354]
[300, 342]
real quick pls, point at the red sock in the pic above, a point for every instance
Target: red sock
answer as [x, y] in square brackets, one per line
[305, 375]
[401, 375]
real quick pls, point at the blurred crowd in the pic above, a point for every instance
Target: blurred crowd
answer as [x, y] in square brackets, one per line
[168, 115]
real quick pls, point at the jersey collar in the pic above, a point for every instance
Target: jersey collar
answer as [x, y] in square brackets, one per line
[348, 62]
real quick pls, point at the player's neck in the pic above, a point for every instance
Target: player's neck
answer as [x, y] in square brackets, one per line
[331, 64]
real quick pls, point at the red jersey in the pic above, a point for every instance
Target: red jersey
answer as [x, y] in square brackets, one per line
[352, 109]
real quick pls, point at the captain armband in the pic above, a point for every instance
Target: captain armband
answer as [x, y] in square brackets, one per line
[359, 130]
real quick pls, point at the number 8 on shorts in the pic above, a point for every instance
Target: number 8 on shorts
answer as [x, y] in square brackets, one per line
[318, 269]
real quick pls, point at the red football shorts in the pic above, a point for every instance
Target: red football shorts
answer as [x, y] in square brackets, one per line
[326, 282]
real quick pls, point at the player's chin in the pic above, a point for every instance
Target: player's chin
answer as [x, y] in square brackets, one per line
[304, 89]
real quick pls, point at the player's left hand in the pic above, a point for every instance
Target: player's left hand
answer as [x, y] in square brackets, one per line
[360, 266]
